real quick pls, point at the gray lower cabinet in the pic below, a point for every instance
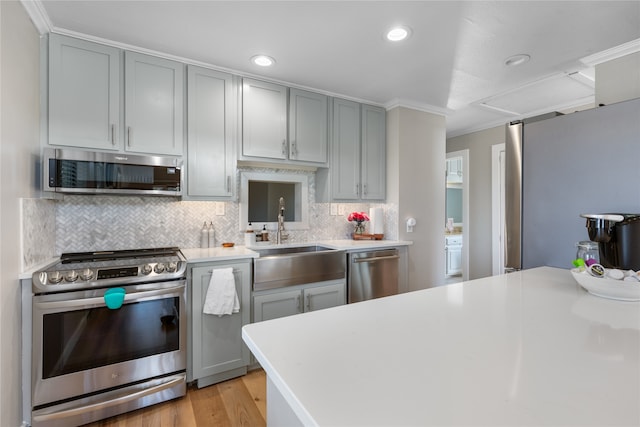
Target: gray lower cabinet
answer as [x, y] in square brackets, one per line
[287, 301]
[216, 349]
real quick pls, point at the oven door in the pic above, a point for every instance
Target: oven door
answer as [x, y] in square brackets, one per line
[80, 346]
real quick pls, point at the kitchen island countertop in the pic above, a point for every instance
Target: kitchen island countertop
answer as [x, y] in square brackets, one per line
[526, 348]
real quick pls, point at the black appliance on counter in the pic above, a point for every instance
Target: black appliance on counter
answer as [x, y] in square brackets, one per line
[618, 237]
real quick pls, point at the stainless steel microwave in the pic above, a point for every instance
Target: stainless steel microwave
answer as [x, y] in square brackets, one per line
[93, 172]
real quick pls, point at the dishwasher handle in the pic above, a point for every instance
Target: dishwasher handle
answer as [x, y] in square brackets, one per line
[375, 258]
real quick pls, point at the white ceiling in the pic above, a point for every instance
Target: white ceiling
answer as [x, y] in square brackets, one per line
[453, 63]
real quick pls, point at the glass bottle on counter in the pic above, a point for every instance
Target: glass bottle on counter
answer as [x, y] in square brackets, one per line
[588, 250]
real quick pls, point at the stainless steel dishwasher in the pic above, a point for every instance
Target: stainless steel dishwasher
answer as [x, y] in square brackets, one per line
[372, 274]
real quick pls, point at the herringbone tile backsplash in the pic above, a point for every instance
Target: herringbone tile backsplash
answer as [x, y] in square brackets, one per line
[90, 223]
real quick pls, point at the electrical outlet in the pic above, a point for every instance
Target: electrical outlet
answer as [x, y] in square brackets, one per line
[340, 209]
[333, 209]
[219, 208]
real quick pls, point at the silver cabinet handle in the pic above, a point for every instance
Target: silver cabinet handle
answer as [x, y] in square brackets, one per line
[284, 147]
[308, 302]
[129, 136]
[365, 192]
[113, 134]
[299, 304]
[357, 189]
[294, 149]
[374, 259]
[228, 189]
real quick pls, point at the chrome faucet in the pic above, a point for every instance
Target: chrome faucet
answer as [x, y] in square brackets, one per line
[280, 234]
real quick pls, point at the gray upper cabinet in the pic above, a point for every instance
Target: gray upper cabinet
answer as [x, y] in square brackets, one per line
[307, 126]
[84, 94]
[154, 108]
[269, 135]
[211, 124]
[358, 162]
[264, 120]
[345, 161]
[373, 152]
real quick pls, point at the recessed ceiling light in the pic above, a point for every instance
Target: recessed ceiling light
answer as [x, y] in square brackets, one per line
[397, 34]
[263, 60]
[515, 60]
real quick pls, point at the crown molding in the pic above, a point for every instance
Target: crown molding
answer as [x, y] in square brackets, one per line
[616, 52]
[38, 15]
[427, 108]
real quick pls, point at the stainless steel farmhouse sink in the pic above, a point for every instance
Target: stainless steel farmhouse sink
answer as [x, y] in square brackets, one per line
[297, 265]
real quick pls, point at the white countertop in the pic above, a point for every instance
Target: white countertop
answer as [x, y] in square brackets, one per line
[217, 254]
[527, 348]
[239, 252]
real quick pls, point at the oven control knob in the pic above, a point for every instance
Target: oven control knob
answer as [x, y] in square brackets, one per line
[146, 269]
[71, 276]
[55, 277]
[172, 267]
[86, 274]
[159, 268]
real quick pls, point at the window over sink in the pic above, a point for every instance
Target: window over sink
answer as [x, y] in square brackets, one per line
[260, 194]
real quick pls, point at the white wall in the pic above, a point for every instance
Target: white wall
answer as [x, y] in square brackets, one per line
[416, 184]
[479, 146]
[19, 149]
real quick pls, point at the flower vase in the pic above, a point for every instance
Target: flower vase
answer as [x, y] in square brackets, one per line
[359, 228]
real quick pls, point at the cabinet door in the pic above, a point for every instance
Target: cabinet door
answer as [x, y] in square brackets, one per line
[345, 158]
[276, 305]
[454, 260]
[264, 120]
[153, 104]
[307, 126]
[211, 157]
[84, 94]
[325, 296]
[373, 152]
[217, 341]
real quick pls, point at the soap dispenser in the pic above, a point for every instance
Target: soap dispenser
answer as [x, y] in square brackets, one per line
[204, 236]
[212, 235]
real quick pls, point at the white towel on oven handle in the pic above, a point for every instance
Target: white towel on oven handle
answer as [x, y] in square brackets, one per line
[222, 297]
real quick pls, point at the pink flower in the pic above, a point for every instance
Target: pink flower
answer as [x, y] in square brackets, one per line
[358, 217]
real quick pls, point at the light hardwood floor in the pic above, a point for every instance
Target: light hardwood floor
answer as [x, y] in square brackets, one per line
[237, 402]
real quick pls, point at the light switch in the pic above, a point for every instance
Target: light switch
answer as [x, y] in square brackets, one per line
[340, 209]
[333, 209]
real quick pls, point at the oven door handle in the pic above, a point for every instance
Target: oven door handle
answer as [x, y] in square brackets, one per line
[100, 300]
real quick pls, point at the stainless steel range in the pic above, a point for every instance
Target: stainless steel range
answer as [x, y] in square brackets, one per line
[109, 334]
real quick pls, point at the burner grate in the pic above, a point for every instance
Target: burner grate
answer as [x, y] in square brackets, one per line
[76, 257]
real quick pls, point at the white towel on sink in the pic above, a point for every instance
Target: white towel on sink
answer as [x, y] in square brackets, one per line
[222, 297]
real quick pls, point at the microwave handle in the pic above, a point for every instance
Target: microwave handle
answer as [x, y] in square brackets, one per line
[100, 300]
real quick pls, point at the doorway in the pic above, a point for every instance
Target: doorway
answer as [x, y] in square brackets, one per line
[497, 208]
[456, 227]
